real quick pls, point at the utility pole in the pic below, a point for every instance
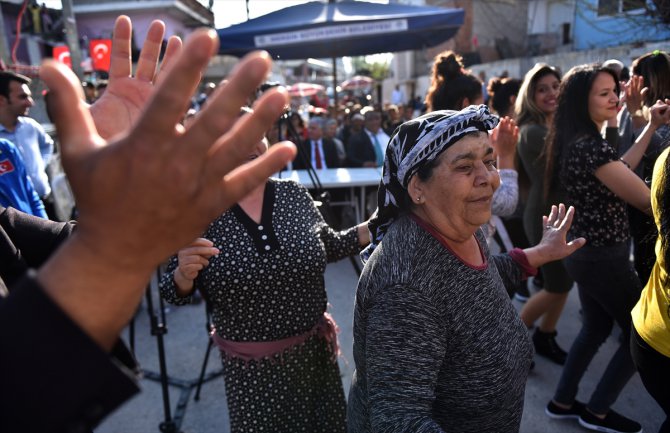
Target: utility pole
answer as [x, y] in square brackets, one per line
[72, 37]
[4, 44]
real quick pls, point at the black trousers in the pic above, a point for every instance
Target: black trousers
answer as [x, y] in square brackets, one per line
[654, 369]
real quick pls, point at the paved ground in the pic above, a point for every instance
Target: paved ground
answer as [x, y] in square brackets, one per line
[186, 341]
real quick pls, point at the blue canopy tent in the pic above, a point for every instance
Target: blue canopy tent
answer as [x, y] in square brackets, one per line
[345, 28]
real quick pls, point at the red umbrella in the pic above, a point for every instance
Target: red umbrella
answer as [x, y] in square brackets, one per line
[357, 82]
[304, 89]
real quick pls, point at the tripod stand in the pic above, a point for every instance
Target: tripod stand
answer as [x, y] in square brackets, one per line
[172, 421]
[321, 196]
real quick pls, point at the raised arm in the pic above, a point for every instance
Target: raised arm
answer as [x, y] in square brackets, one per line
[155, 188]
[126, 95]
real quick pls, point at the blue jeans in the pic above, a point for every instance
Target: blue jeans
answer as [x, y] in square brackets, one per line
[608, 289]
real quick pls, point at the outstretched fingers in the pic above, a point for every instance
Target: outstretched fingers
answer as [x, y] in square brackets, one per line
[236, 145]
[239, 182]
[172, 50]
[76, 130]
[223, 107]
[146, 65]
[172, 97]
[565, 221]
[120, 58]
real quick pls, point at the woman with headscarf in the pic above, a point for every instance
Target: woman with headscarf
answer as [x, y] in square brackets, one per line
[438, 345]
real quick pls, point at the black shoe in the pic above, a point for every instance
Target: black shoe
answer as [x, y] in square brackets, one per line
[612, 423]
[522, 294]
[545, 345]
[555, 412]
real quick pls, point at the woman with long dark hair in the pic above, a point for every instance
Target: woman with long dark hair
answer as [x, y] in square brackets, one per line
[650, 336]
[598, 183]
[652, 70]
[535, 108]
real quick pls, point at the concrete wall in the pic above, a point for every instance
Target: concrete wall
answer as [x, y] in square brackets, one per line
[565, 61]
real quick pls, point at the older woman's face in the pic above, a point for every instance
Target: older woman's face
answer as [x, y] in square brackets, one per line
[461, 187]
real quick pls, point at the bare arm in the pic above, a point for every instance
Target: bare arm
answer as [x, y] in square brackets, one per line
[660, 114]
[625, 184]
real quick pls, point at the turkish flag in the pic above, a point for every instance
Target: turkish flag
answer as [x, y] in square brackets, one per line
[62, 54]
[6, 166]
[101, 53]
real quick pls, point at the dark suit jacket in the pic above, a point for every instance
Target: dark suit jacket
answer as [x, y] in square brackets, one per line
[329, 149]
[360, 149]
[53, 377]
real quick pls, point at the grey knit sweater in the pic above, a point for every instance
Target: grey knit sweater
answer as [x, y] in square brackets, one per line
[438, 345]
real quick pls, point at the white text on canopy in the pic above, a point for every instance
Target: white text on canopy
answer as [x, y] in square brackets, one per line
[330, 32]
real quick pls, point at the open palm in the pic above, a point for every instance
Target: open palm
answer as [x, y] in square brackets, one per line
[120, 106]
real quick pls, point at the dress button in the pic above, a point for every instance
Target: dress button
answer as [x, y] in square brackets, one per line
[267, 248]
[264, 237]
[260, 227]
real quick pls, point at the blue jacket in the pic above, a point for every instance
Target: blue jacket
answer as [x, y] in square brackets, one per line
[16, 189]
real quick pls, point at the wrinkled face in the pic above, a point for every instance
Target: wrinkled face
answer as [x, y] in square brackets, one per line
[314, 131]
[546, 94]
[20, 99]
[461, 187]
[603, 98]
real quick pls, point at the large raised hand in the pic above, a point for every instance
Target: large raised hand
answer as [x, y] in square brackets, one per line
[121, 104]
[156, 187]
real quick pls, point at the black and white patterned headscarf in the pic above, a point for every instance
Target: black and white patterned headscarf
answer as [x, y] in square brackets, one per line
[414, 144]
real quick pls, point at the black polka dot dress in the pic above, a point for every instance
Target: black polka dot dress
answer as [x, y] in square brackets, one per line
[267, 284]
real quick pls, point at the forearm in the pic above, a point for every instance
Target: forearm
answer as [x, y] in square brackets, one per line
[363, 234]
[99, 296]
[507, 195]
[634, 155]
[539, 255]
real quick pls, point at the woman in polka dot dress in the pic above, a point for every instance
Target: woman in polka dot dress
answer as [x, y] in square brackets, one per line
[260, 265]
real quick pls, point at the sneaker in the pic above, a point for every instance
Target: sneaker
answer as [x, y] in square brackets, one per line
[612, 423]
[546, 345]
[522, 294]
[554, 411]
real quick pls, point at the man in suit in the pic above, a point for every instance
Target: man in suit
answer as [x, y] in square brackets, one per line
[367, 148]
[317, 150]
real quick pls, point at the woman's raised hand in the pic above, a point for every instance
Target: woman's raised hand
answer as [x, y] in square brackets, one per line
[554, 244]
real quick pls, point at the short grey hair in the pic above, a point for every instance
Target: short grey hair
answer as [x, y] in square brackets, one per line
[316, 121]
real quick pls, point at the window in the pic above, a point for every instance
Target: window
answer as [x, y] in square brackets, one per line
[614, 7]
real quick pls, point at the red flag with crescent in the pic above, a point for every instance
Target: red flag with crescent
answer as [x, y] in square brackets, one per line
[100, 51]
[62, 54]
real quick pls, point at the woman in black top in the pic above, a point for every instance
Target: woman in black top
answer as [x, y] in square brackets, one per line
[598, 184]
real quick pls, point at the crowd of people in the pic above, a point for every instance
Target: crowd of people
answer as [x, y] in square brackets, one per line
[561, 162]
